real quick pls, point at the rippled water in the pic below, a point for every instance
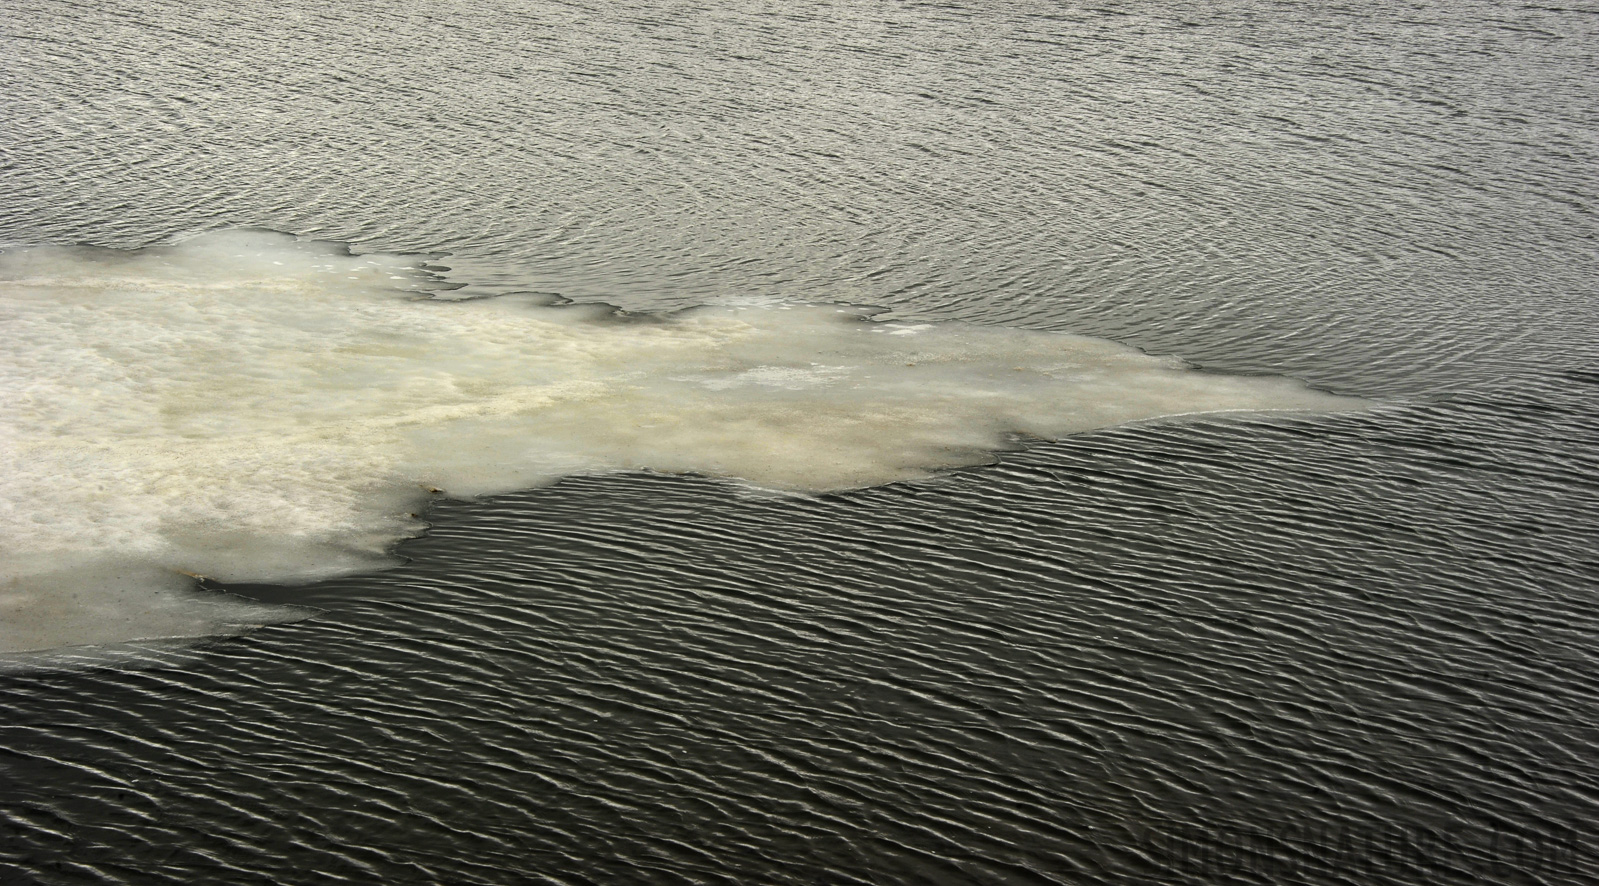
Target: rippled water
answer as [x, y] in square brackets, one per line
[1321, 648]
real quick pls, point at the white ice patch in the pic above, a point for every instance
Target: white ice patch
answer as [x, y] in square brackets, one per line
[247, 406]
[791, 378]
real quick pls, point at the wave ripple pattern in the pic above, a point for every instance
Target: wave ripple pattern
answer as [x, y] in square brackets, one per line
[1352, 647]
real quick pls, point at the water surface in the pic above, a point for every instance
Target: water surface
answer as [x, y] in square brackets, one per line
[1118, 657]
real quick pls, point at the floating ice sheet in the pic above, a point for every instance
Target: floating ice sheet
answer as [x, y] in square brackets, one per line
[249, 406]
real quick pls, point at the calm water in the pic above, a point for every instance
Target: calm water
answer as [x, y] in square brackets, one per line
[1351, 648]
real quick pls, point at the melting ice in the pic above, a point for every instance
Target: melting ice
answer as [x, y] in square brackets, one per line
[249, 406]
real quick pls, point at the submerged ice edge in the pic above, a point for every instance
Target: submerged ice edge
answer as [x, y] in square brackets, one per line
[249, 406]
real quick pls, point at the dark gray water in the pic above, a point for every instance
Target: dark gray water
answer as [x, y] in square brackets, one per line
[1323, 649]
